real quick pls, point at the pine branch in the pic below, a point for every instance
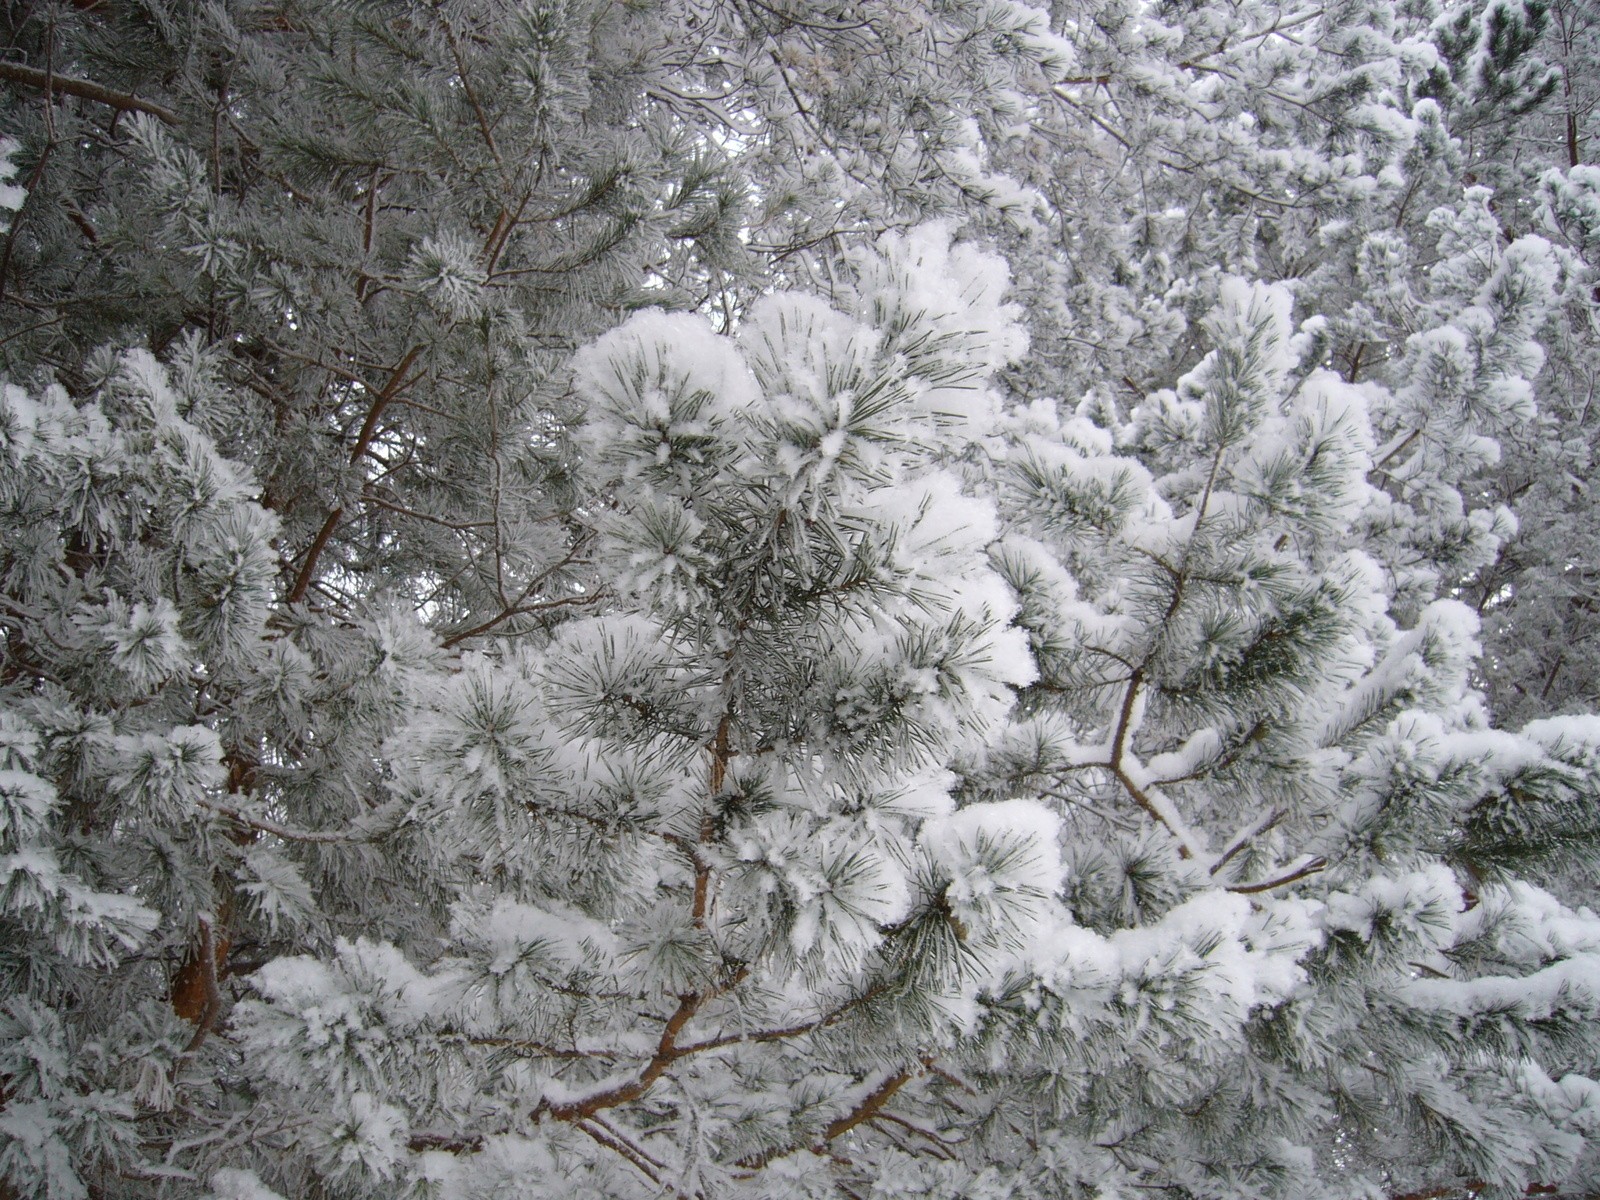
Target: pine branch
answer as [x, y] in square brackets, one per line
[84, 89]
[369, 429]
[618, 1147]
[793, 1031]
[286, 832]
[870, 1107]
[540, 1049]
[1311, 868]
[665, 1055]
[520, 609]
[1245, 836]
[943, 1148]
[1119, 746]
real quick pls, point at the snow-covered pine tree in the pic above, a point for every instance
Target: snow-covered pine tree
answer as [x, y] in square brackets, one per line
[1237, 700]
[463, 739]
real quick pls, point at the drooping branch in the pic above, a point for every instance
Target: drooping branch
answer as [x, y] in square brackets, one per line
[870, 1107]
[1239, 841]
[618, 1147]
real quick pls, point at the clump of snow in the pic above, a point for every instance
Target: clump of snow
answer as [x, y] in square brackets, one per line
[1001, 867]
[231, 1184]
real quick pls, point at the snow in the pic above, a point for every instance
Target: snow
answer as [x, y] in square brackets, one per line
[1240, 955]
[229, 1183]
[511, 930]
[144, 638]
[1160, 803]
[768, 746]
[1422, 906]
[373, 1136]
[1197, 750]
[25, 803]
[1569, 986]
[1002, 866]
[662, 378]
[11, 195]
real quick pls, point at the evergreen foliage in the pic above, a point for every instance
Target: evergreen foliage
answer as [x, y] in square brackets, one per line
[717, 599]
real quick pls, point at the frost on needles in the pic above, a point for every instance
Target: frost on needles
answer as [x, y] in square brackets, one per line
[774, 601]
[934, 791]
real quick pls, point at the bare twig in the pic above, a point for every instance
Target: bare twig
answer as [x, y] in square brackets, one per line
[1245, 836]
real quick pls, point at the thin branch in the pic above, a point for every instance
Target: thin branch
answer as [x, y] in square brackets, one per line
[369, 430]
[869, 1108]
[85, 89]
[302, 579]
[1140, 797]
[389, 506]
[943, 1145]
[287, 833]
[520, 610]
[397, 380]
[792, 1031]
[1311, 868]
[619, 1148]
[664, 1056]
[1245, 836]
[539, 1049]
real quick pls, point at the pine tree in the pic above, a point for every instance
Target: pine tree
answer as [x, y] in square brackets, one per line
[790, 600]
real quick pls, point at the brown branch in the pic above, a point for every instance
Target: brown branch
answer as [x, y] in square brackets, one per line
[868, 1108]
[944, 1147]
[721, 755]
[666, 1054]
[622, 1136]
[618, 1147]
[1119, 739]
[369, 430]
[1119, 746]
[1311, 868]
[397, 380]
[1399, 448]
[1245, 836]
[865, 1111]
[792, 1031]
[302, 579]
[1143, 801]
[519, 610]
[84, 89]
[200, 973]
[538, 1049]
